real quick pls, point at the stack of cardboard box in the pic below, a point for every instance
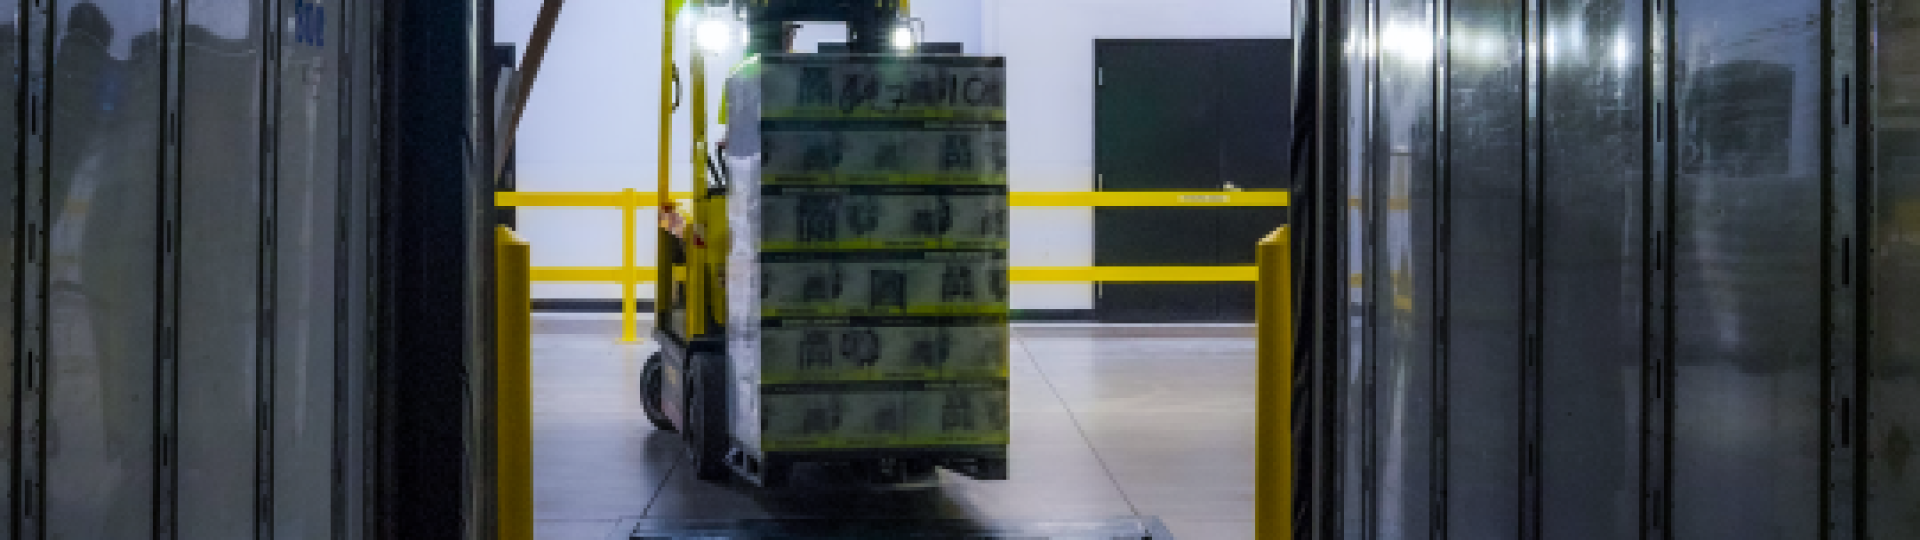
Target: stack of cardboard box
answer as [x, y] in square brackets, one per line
[874, 244]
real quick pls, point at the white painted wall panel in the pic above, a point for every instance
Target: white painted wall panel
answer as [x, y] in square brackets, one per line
[589, 126]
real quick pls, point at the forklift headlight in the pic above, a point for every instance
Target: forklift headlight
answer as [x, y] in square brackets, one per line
[717, 34]
[902, 38]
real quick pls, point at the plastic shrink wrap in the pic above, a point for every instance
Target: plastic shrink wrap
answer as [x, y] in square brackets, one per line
[867, 289]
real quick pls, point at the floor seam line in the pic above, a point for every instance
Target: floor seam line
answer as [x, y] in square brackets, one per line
[648, 512]
[1076, 424]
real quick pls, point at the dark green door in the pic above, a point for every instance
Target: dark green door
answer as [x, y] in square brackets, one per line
[1187, 115]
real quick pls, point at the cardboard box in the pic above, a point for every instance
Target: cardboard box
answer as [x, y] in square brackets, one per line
[977, 352]
[870, 420]
[907, 217]
[812, 350]
[956, 414]
[884, 283]
[882, 86]
[802, 287]
[883, 154]
[807, 353]
[885, 415]
[800, 421]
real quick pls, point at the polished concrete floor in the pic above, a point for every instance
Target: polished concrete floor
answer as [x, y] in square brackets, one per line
[1108, 422]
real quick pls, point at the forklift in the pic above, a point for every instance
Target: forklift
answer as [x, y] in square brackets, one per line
[691, 386]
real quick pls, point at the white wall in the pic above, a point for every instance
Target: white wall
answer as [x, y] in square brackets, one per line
[941, 21]
[592, 119]
[1049, 48]
[589, 126]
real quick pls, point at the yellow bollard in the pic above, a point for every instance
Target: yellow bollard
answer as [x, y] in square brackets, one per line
[1273, 462]
[514, 409]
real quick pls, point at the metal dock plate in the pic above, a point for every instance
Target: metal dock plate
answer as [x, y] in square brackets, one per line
[1130, 528]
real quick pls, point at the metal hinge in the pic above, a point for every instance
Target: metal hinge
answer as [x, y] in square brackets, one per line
[1100, 76]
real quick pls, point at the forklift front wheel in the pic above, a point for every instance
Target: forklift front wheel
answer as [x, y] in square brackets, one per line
[651, 378]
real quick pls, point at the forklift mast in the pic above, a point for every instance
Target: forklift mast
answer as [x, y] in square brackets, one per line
[869, 23]
[865, 365]
[867, 20]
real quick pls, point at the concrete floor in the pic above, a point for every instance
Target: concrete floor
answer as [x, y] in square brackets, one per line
[1108, 422]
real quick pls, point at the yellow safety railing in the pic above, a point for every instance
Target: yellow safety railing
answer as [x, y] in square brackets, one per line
[1273, 462]
[1021, 274]
[513, 416]
[629, 199]
[629, 276]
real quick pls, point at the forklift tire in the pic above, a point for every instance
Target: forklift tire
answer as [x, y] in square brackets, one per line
[777, 475]
[706, 430]
[652, 376]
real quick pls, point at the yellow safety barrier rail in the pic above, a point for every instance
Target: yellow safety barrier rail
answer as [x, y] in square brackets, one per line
[635, 199]
[513, 416]
[629, 202]
[1020, 274]
[1273, 454]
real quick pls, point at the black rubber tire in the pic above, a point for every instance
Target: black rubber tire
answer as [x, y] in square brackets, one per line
[776, 475]
[652, 377]
[706, 431]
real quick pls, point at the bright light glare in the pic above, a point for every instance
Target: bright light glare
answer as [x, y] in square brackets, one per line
[1411, 44]
[715, 34]
[902, 38]
[1621, 52]
[1490, 47]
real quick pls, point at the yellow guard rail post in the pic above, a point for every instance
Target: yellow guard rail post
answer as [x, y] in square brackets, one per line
[1273, 457]
[629, 277]
[513, 415]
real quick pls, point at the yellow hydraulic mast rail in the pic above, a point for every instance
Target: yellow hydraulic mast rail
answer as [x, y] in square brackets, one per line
[663, 279]
[697, 250]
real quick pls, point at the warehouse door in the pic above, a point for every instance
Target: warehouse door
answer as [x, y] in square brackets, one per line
[1187, 115]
